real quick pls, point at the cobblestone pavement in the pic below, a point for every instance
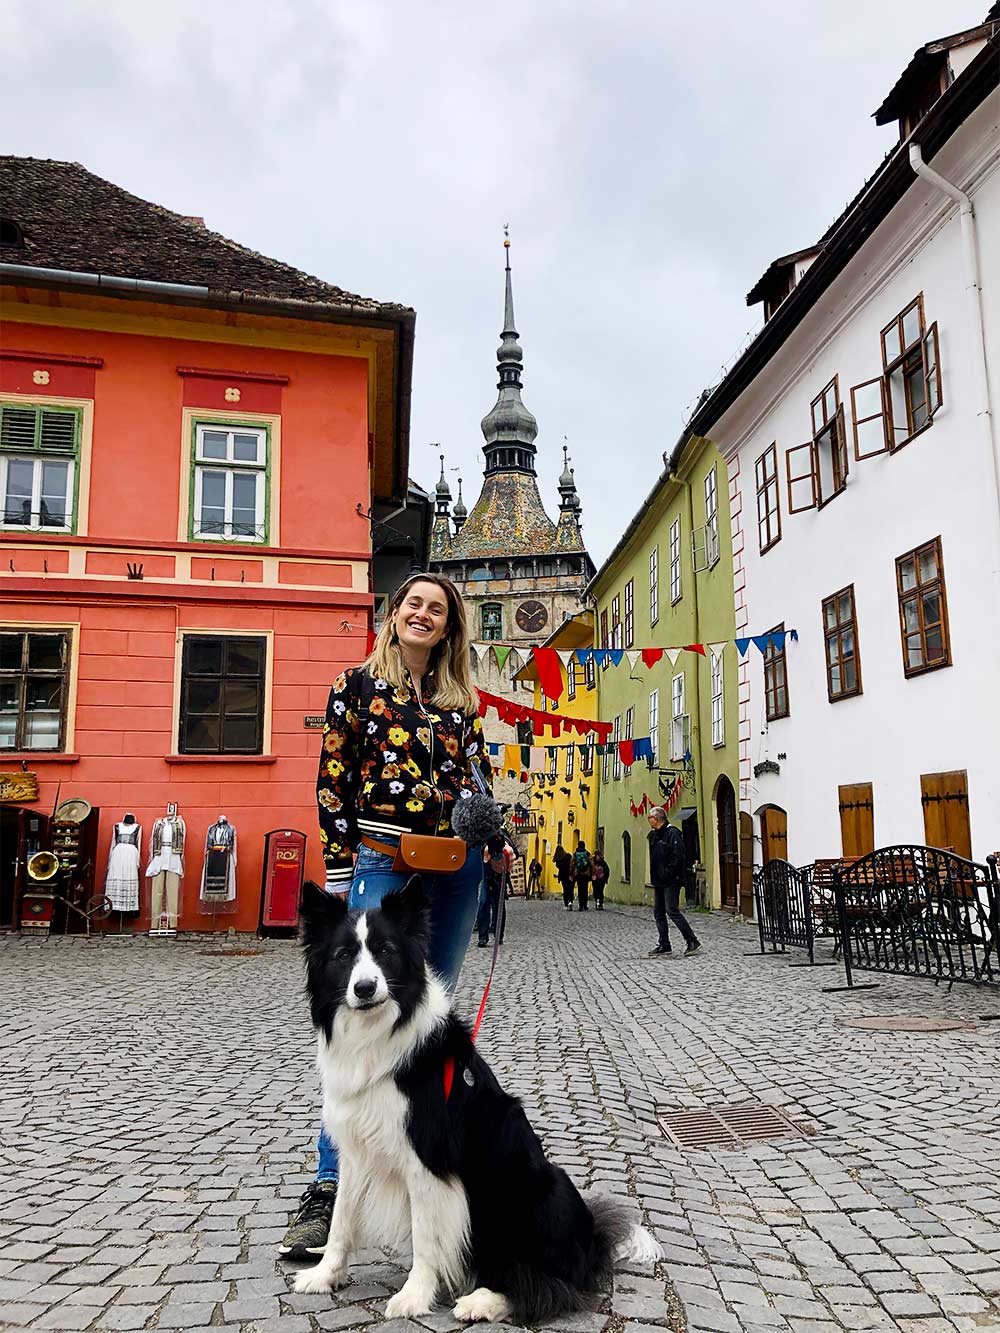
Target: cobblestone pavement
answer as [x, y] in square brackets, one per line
[158, 1107]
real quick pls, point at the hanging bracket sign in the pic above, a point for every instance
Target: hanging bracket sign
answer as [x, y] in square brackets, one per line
[18, 786]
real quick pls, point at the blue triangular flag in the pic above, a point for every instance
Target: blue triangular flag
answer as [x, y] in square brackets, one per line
[616, 655]
[600, 656]
[778, 639]
[583, 655]
[761, 641]
[741, 646]
[794, 635]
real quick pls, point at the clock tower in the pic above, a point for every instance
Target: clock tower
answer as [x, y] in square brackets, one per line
[520, 574]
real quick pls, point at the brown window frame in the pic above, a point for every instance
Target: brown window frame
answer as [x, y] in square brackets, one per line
[629, 620]
[26, 673]
[915, 361]
[189, 676]
[773, 658]
[835, 634]
[829, 431]
[768, 517]
[917, 594]
[604, 628]
[616, 619]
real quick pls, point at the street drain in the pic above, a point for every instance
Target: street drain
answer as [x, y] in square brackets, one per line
[903, 1023]
[727, 1126]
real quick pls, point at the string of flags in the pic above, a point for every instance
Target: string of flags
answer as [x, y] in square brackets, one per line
[644, 806]
[512, 713]
[551, 663]
[538, 759]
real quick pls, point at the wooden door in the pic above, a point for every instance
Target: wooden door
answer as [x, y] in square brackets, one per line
[945, 798]
[857, 819]
[729, 852]
[773, 834]
[746, 863]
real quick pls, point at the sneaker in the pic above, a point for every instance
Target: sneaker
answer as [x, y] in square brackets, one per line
[692, 949]
[482, 944]
[653, 953]
[307, 1235]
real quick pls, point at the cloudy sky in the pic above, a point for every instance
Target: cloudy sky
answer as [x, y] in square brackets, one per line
[651, 158]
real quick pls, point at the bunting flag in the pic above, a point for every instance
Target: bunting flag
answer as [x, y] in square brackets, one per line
[626, 750]
[650, 656]
[633, 656]
[673, 654]
[742, 645]
[501, 651]
[717, 649]
[512, 713]
[550, 675]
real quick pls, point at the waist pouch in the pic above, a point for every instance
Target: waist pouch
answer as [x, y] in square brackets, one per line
[438, 856]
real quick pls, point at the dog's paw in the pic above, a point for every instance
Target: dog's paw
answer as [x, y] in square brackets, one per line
[482, 1305]
[314, 1280]
[409, 1302]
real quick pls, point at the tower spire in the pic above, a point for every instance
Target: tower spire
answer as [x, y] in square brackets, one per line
[509, 428]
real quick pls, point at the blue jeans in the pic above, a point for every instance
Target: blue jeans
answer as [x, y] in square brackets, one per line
[454, 900]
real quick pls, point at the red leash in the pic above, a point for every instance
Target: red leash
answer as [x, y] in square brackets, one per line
[449, 1062]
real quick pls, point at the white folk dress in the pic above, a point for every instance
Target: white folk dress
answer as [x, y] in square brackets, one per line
[122, 883]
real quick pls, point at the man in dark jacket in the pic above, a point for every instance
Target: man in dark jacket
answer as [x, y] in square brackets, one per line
[667, 863]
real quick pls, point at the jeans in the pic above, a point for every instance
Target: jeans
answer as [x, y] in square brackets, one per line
[598, 888]
[453, 899]
[666, 903]
[490, 908]
[583, 890]
[567, 888]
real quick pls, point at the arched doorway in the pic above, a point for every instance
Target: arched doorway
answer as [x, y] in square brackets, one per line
[773, 834]
[728, 840]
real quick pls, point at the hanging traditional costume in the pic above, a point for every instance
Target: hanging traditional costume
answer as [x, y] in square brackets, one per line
[218, 876]
[121, 885]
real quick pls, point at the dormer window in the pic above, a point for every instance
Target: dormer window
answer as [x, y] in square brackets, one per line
[929, 74]
[11, 233]
[781, 279]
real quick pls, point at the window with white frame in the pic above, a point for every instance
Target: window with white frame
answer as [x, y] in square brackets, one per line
[553, 761]
[654, 585]
[654, 726]
[587, 758]
[616, 757]
[711, 517]
[39, 452]
[589, 675]
[571, 678]
[678, 718]
[675, 561]
[616, 621]
[629, 624]
[606, 764]
[570, 760]
[718, 702]
[230, 483]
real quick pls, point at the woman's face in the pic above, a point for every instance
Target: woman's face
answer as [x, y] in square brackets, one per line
[421, 619]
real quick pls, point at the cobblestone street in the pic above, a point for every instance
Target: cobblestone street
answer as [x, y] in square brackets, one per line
[158, 1108]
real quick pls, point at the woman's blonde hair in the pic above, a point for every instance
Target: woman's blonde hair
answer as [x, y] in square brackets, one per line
[450, 660]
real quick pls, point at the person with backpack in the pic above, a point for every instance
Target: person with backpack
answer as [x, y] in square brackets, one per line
[582, 871]
[534, 889]
[599, 878]
[668, 864]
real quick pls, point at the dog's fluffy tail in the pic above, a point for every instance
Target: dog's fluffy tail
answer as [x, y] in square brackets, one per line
[618, 1237]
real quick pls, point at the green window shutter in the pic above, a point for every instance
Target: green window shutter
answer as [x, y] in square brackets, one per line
[57, 432]
[41, 429]
[18, 427]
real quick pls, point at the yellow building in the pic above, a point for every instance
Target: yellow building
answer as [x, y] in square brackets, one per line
[564, 796]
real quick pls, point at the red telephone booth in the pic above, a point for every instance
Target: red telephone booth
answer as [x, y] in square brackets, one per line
[284, 869]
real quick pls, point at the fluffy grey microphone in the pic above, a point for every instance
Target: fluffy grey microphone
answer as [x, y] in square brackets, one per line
[476, 819]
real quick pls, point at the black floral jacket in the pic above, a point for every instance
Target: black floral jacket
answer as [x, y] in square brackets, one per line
[404, 774]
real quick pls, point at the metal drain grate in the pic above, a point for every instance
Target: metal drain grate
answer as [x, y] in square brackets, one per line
[727, 1126]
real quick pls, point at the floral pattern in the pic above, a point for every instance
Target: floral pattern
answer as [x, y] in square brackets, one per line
[405, 772]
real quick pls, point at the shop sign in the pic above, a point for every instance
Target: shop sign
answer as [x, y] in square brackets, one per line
[18, 787]
[313, 721]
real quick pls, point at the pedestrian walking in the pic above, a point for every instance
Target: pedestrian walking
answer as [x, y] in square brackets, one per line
[492, 893]
[598, 880]
[667, 863]
[581, 871]
[400, 743]
[564, 870]
[534, 889]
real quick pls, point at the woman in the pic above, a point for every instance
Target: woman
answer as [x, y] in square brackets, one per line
[401, 737]
[564, 871]
[582, 870]
[599, 880]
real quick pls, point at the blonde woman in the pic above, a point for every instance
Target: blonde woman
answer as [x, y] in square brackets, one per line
[401, 736]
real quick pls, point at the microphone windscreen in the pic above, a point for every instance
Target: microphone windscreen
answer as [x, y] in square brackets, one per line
[476, 819]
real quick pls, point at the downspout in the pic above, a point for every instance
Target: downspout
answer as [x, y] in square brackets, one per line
[704, 824]
[967, 218]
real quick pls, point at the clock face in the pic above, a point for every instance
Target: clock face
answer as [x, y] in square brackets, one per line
[532, 617]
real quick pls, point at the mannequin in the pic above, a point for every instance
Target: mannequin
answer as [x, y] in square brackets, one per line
[121, 884]
[218, 876]
[166, 870]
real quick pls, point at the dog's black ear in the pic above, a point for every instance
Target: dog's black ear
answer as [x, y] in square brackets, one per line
[320, 911]
[410, 900]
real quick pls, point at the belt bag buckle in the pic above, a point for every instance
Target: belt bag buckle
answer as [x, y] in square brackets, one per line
[439, 856]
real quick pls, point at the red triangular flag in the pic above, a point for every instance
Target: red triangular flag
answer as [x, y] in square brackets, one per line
[650, 656]
[695, 648]
[549, 672]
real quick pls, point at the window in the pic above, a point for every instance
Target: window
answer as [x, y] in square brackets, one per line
[654, 727]
[39, 448]
[768, 503]
[570, 760]
[911, 372]
[711, 519]
[34, 669]
[553, 763]
[923, 609]
[491, 621]
[571, 678]
[679, 737]
[604, 629]
[589, 675]
[626, 857]
[775, 678]
[629, 614]
[654, 585]
[840, 631]
[524, 733]
[222, 695]
[587, 763]
[606, 764]
[616, 621]
[718, 702]
[230, 482]
[817, 470]
[629, 724]
[616, 756]
[675, 561]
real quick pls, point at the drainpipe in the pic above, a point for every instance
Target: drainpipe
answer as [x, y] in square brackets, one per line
[704, 803]
[967, 218]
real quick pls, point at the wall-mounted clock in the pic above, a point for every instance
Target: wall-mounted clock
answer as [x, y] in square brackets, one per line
[532, 617]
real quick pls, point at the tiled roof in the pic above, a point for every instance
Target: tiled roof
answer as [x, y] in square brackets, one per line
[508, 519]
[72, 219]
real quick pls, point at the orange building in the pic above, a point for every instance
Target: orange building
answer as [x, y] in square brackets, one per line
[192, 437]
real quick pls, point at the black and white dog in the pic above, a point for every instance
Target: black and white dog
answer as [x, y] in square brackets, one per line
[461, 1177]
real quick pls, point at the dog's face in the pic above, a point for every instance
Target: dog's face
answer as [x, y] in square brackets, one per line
[360, 962]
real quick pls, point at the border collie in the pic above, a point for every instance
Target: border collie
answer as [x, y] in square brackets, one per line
[462, 1178]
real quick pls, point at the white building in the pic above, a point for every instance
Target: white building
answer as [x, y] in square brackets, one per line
[864, 470]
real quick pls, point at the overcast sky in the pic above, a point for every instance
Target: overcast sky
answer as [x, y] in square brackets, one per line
[651, 159]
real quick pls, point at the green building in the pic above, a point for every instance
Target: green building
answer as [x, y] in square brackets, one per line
[669, 583]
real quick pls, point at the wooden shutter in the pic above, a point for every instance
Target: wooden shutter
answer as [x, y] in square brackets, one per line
[801, 476]
[857, 819]
[746, 864]
[945, 799]
[932, 368]
[841, 463]
[774, 834]
[871, 427]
